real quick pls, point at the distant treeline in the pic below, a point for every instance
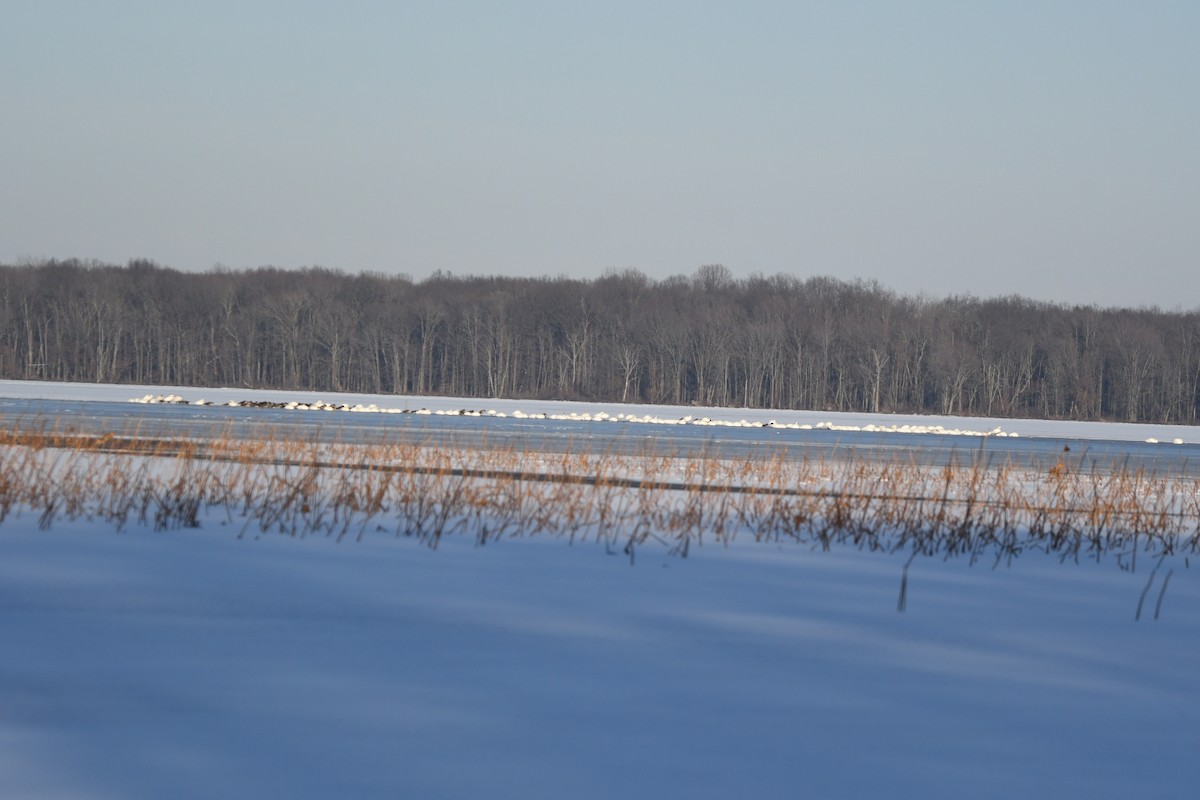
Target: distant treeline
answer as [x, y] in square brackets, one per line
[711, 339]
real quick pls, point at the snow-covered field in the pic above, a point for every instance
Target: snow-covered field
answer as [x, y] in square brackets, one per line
[193, 663]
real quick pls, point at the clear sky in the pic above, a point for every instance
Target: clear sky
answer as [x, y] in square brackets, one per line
[1050, 149]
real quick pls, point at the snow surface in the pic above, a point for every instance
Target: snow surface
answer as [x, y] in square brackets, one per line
[1061, 429]
[193, 664]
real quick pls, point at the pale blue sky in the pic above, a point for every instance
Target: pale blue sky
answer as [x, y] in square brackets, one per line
[1049, 149]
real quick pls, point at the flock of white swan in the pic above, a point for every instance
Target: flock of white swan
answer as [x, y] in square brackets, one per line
[599, 416]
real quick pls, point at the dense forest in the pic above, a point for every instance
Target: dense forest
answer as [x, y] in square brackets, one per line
[777, 341]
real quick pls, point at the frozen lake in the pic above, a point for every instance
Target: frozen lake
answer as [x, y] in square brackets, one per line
[192, 663]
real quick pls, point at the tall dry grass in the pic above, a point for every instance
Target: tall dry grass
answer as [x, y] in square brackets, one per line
[302, 488]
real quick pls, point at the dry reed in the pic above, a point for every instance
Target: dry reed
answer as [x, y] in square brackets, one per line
[302, 488]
